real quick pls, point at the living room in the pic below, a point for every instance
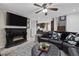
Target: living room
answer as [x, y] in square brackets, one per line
[22, 28]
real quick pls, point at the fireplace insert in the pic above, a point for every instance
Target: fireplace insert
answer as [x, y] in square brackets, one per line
[15, 36]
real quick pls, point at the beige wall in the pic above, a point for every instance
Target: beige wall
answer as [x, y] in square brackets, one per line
[2, 26]
[73, 22]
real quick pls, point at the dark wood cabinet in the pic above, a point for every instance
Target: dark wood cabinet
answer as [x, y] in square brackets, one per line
[61, 28]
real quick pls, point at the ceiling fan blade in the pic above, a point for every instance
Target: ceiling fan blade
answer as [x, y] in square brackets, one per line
[38, 11]
[45, 13]
[50, 3]
[37, 5]
[44, 5]
[54, 9]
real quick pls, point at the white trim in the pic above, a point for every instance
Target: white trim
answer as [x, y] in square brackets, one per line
[15, 27]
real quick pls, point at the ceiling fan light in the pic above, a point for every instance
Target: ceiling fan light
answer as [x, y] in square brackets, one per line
[44, 10]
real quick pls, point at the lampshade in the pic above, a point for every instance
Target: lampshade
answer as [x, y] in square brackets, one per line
[44, 10]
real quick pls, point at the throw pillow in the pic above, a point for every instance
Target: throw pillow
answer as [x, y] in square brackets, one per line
[71, 39]
[56, 36]
[77, 37]
[72, 42]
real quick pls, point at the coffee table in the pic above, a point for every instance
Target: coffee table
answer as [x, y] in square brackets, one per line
[53, 51]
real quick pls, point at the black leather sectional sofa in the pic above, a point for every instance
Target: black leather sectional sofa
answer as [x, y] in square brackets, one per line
[70, 50]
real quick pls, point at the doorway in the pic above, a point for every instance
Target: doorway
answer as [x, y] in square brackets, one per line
[52, 25]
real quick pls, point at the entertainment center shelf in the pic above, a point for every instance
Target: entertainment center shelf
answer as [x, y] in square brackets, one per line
[16, 27]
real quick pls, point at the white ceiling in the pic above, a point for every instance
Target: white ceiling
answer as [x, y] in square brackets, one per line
[28, 9]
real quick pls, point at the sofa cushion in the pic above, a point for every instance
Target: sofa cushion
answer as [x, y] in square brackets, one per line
[55, 41]
[72, 42]
[47, 34]
[73, 51]
[68, 45]
[77, 37]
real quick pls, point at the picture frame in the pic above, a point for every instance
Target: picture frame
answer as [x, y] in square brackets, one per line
[62, 18]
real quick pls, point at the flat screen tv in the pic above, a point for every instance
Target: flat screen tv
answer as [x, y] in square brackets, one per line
[15, 20]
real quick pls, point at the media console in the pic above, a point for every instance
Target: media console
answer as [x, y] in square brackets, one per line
[15, 33]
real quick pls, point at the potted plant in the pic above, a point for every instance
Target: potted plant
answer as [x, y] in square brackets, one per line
[44, 47]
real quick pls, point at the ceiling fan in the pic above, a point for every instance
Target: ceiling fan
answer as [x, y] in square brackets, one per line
[45, 7]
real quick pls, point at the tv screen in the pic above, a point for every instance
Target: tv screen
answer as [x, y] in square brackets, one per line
[15, 20]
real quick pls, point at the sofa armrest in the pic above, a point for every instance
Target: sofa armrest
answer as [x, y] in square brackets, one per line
[68, 45]
[55, 41]
[72, 51]
[45, 39]
[41, 39]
